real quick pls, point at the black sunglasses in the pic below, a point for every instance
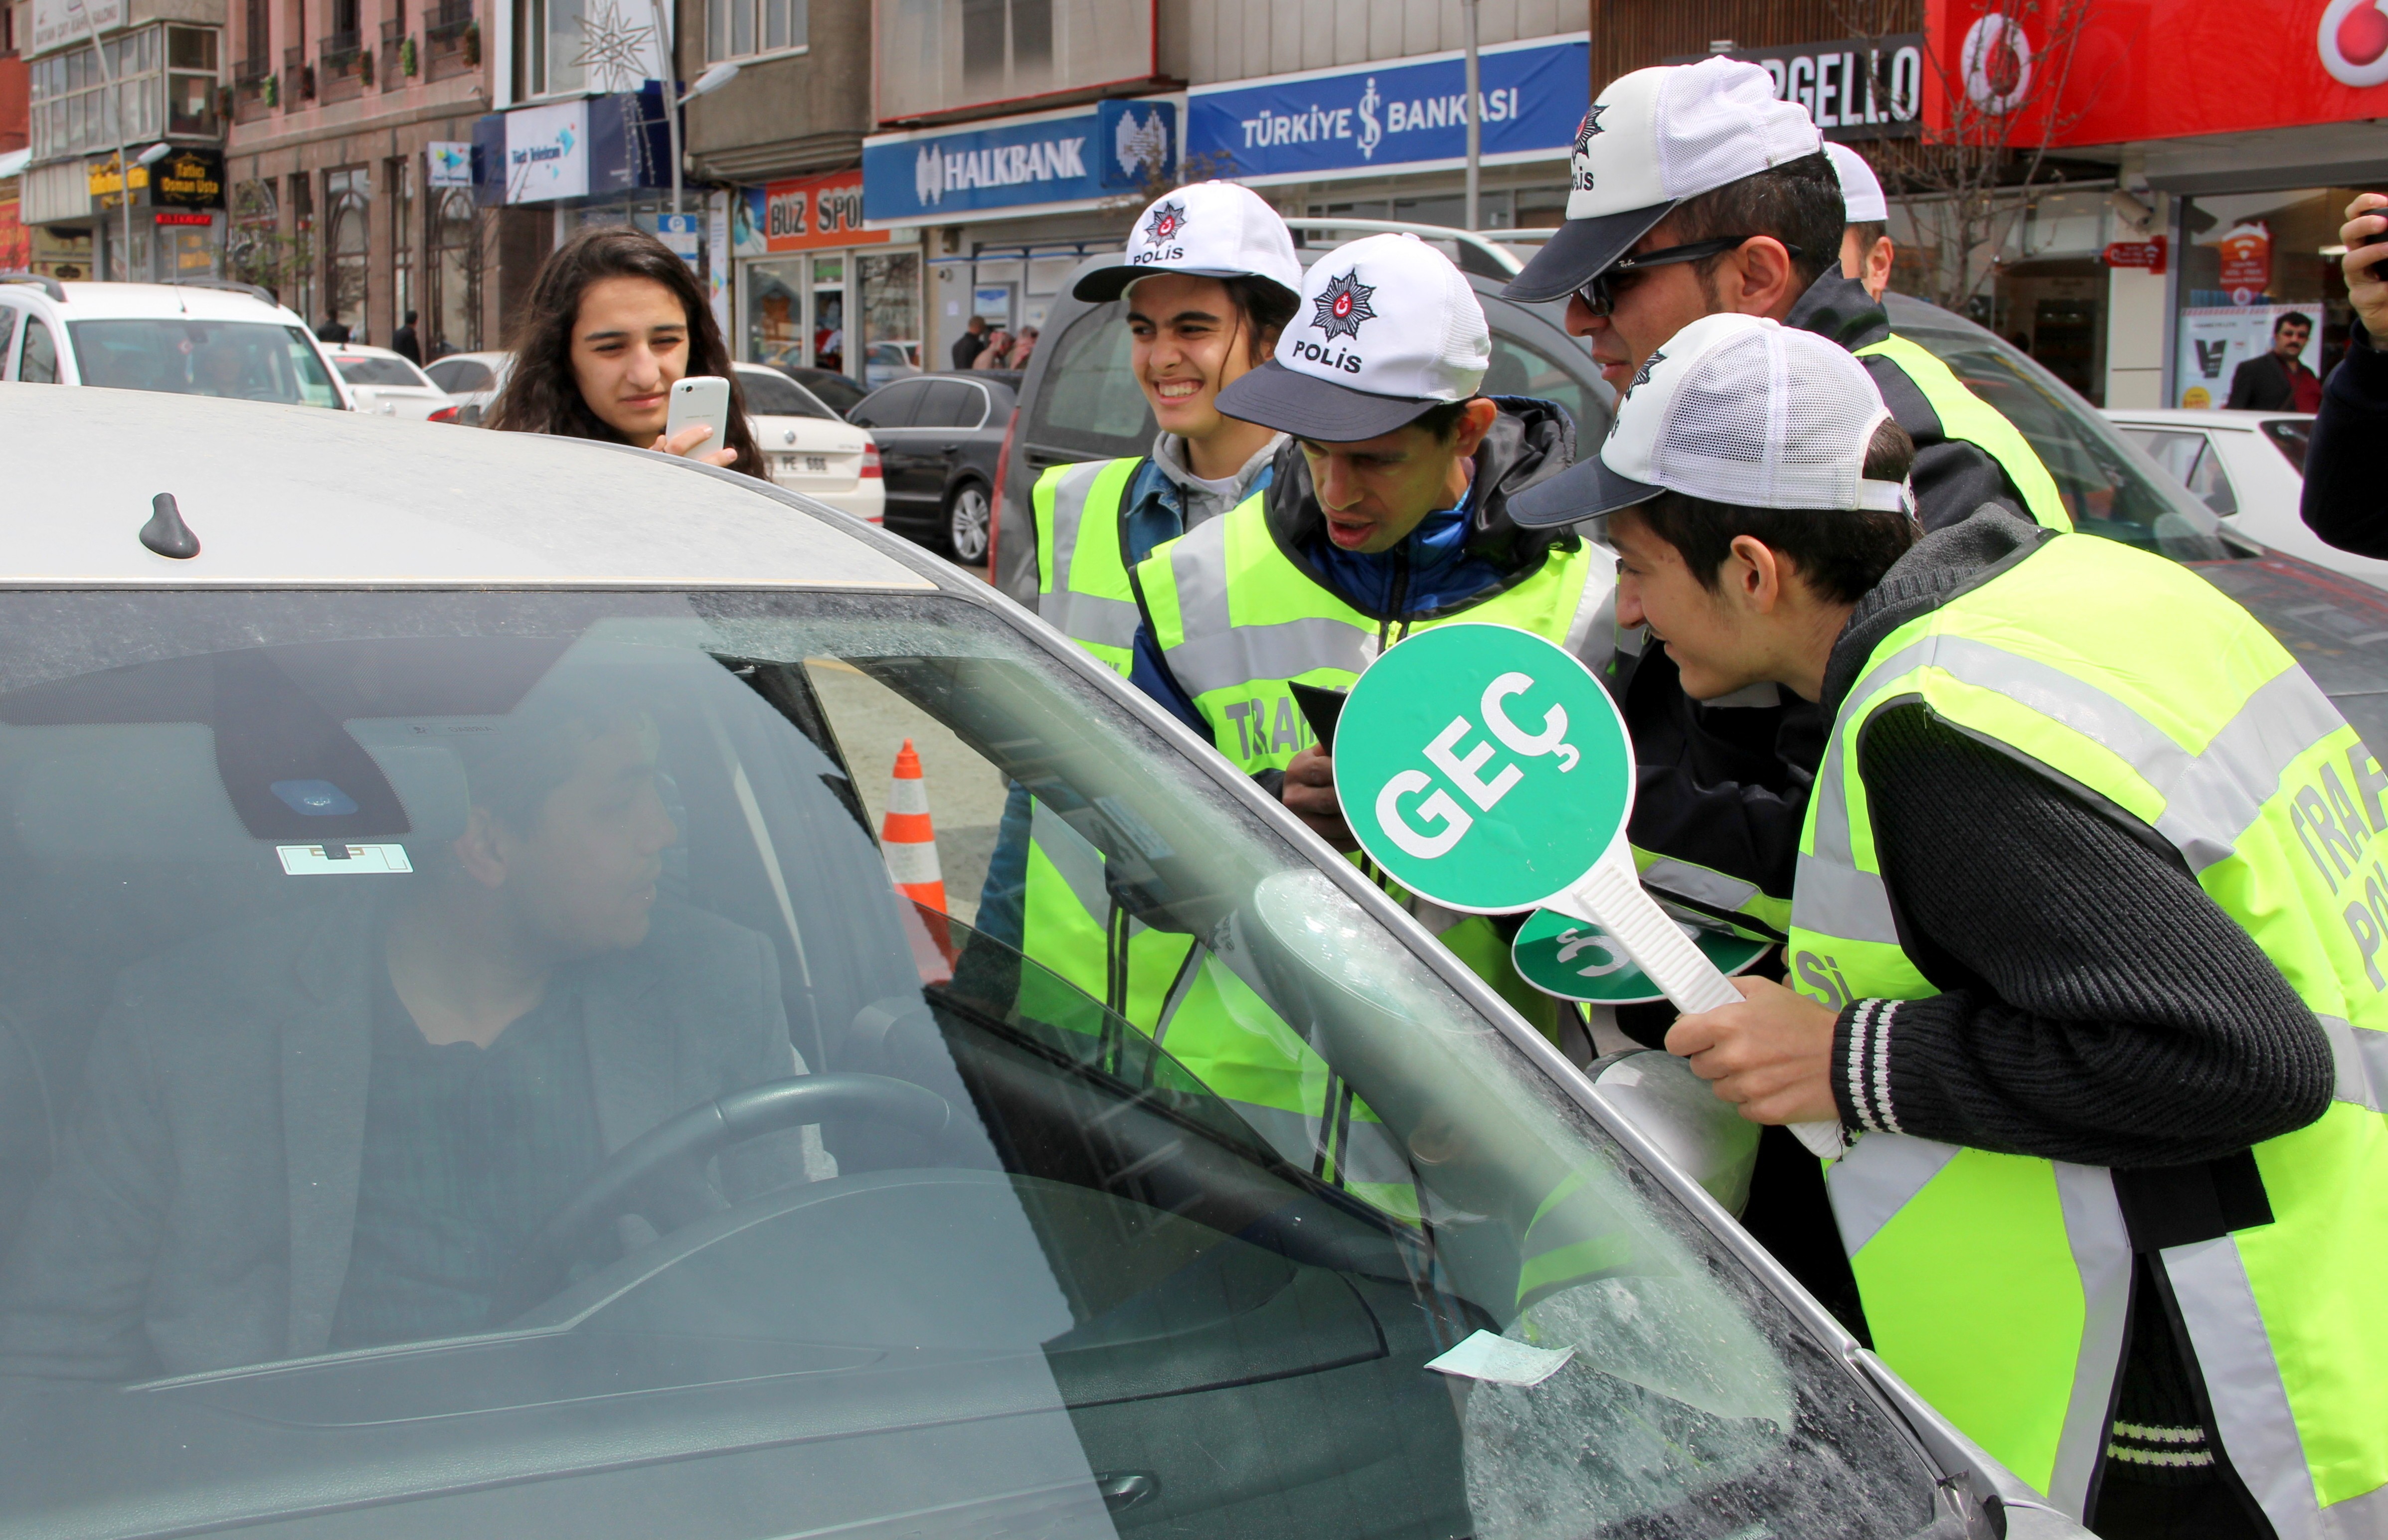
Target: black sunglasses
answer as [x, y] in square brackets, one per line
[1600, 297]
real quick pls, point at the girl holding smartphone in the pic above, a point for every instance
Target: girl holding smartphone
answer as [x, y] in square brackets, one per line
[613, 320]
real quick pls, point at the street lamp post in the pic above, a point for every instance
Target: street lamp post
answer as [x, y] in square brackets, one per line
[1475, 110]
[712, 80]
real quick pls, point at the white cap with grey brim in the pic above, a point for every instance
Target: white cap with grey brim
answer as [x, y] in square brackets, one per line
[1860, 189]
[1738, 409]
[1208, 230]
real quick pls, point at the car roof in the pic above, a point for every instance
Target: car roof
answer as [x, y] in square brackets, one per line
[2204, 417]
[94, 301]
[361, 351]
[316, 498]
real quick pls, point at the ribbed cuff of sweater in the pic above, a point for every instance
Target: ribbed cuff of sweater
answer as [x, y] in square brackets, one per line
[1881, 1053]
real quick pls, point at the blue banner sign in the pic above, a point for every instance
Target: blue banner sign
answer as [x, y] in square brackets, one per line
[581, 147]
[1105, 150]
[1370, 117]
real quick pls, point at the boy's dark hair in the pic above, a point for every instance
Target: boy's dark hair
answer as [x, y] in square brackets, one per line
[1842, 556]
[1443, 421]
[1799, 203]
[1266, 306]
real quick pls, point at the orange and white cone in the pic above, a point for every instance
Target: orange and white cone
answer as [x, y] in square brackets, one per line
[907, 838]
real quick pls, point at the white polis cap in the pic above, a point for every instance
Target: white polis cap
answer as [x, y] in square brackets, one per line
[1860, 189]
[1387, 328]
[1210, 230]
[1654, 138]
[1738, 409]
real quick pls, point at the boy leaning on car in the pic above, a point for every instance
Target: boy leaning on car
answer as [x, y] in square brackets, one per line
[2086, 950]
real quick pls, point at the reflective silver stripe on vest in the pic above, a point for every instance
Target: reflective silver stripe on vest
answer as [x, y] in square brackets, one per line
[1699, 884]
[1874, 1180]
[2360, 1056]
[1595, 613]
[1070, 491]
[1075, 857]
[2251, 1406]
[1083, 617]
[2211, 798]
[1218, 655]
[2363, 1517]
[2101, 1254]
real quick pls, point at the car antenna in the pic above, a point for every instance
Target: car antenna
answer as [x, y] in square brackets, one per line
[166, 533]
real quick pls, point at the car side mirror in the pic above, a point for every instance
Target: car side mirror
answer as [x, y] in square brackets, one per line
[1707, 1139]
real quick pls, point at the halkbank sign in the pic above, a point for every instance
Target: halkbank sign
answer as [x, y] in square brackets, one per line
[1019, 164]
[1406, 114]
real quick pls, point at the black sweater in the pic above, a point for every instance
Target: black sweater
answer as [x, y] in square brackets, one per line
[2347, 495]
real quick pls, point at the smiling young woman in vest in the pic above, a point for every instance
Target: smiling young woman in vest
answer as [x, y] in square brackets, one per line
[2086, 951]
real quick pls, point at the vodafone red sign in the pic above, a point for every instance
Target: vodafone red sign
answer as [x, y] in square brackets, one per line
[2163, 69]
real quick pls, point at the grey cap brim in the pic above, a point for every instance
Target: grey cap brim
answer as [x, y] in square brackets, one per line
[1582, 249]
[1586, 490]
[1320, 410]
[1111, 282]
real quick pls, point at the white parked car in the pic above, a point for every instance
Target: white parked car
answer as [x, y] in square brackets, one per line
[197, 338]
[812, 449]
[384, 382]
[2247, 466]
[776, 1203]
[472, 382]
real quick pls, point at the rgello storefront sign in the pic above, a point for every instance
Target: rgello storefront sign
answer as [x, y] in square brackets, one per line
[1053, 158]
[1409, 113]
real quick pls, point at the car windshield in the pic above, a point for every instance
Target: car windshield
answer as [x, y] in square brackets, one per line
[471, 1048]
[2109, 487]
[249, 360]
[370, 371]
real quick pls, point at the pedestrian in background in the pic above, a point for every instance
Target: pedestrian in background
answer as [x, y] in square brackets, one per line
[2279, 380]
[2345, 502]
[999, 347]
[405, 344]
[1022, 349]
[1867, 251]
[333, 330]
[613, 318]
[971, 344]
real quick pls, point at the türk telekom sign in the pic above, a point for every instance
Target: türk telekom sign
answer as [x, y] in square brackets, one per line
[2187, 66]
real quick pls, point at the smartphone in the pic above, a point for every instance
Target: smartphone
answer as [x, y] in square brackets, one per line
[700, 398]
[1322, 708]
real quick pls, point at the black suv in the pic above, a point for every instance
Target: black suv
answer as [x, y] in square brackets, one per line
[1080, 400]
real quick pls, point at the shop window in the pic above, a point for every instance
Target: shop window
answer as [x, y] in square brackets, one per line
[2247, 260]
[775, 311]
[454, 312]
[891, 313]
[347, 196]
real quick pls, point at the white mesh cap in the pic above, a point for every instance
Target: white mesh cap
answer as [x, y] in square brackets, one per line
[1652, 139]
[1736, 409]
[1860, 189]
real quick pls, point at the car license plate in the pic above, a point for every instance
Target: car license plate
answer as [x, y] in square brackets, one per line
[816, 464]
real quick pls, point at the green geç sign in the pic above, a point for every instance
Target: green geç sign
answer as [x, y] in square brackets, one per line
[1577, 960]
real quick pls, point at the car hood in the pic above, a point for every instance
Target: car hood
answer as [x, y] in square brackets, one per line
[2335, 626]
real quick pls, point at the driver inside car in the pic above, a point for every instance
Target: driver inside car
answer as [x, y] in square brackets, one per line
[338, 1127]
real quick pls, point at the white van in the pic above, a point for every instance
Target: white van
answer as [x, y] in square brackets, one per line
[197, 338]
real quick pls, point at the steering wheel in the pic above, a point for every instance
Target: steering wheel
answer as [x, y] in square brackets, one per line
[660, 1174]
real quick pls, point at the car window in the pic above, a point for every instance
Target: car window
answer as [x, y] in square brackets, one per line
[1088, 400]
[39, 362]
[2290, 435]
[1518, 370]
[382, 930]
[367, 369]
[2106, 490]
[2192, 457]
[951, 404]
[772, 394]
[7, 336]
[839, 393]
[459, 376]
[893, 407]
[248, 361]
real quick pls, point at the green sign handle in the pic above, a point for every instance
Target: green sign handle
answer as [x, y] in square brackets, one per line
[1610, 896]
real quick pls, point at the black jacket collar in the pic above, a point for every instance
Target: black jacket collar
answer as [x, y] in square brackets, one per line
[1839, 309]
[1938, 568]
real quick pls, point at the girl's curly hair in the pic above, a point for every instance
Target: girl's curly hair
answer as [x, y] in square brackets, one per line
[541, 396]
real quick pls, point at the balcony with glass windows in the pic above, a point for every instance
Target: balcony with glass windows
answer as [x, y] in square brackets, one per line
[297, 79]
[447, 40]
[393, 54]
[250, 78]
[341, 68]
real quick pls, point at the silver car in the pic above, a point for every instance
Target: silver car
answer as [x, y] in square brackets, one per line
[467, 1066]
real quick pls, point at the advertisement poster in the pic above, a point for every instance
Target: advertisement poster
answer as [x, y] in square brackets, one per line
[808, 212]
[547, 153]
[2246, 260]
[16, 241]
[2216, 340]
[449, 163]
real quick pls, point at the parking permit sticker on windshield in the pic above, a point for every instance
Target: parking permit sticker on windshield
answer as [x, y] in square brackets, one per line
[1501, 1361]
[335, 860]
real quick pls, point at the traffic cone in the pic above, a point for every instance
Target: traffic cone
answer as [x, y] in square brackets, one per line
[907, 838]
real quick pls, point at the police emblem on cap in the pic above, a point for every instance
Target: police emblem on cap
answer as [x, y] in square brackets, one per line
[1589, 127]
[1167, 222]
[1343, 305]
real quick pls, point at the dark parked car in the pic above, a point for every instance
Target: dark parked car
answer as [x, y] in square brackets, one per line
[838, 390]
[1080, 400]
[940, 439]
